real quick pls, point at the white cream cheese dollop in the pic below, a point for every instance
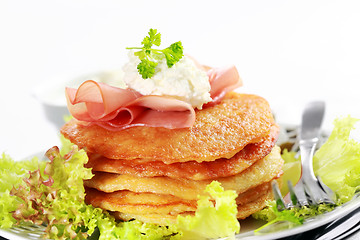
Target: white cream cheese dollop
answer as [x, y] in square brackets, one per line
[184, 80]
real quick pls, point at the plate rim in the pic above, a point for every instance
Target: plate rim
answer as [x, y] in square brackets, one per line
[310, 224]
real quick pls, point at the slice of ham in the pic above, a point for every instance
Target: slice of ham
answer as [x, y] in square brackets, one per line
[116, 109]
[222, 81]
[94, 101]
[153, 111]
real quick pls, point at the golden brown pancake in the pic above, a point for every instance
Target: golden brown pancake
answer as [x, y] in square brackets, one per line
[192, 169]
[163, 209]
[253, 193]
[218, 132]
[262, 171]
[139, 203]
[245, 210]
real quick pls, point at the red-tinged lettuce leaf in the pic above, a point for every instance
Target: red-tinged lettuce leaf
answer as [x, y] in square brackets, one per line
[56, 196]
[11, 175]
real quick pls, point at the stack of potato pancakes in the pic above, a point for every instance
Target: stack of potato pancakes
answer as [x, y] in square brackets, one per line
[154, 174]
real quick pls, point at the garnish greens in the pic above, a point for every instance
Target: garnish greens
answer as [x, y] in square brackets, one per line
[52, 193]
[150, 57]
[337, 162]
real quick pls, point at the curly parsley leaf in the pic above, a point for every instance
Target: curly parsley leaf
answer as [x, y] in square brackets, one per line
[154, 38]
[147, 68]
[150, 57]
[173, 53]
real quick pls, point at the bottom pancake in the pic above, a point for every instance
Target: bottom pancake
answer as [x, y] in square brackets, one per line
[139, 203]
[246, 209]
[163, 209]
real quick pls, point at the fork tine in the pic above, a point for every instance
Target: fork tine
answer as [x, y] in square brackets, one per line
[309, 190]
[280, 204]
[329, 195]
[293, 200]
[315, 189]
[301, 195]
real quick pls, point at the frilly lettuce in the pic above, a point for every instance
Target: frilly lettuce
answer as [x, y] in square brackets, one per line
[52, 193]
[55, 195]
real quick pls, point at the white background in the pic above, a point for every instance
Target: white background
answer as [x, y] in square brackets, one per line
[289, 52]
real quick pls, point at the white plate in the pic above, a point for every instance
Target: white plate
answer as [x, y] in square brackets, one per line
[28, 231]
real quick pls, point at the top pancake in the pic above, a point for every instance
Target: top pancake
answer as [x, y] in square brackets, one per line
[218, 132]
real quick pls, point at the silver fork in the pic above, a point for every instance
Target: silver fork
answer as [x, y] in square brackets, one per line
[309, 190]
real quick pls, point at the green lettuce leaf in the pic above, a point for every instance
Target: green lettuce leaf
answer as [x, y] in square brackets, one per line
[337, 162]
[212, 220]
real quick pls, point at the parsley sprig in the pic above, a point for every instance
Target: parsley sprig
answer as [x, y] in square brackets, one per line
[150, 57]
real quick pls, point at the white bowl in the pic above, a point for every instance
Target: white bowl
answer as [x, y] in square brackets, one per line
[52, 94]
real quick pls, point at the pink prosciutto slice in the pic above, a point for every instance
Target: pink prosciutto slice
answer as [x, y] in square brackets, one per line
[116, 109]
